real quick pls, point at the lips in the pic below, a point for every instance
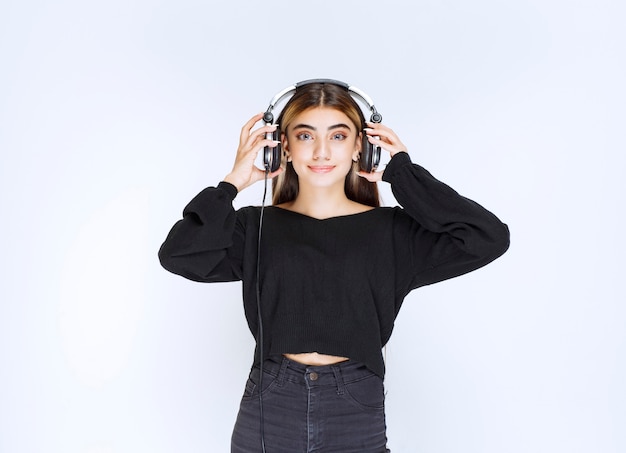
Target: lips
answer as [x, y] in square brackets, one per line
[321, 168]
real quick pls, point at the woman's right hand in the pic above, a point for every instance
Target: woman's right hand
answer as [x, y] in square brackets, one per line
[244, 172]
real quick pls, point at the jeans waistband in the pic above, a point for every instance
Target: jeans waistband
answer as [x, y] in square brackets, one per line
[335, 375]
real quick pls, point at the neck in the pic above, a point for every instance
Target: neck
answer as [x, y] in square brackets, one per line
[321, 202]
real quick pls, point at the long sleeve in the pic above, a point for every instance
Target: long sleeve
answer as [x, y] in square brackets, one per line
[206, 244]
[440, 234]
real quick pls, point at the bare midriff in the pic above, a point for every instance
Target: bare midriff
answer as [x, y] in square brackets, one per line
[315, 359]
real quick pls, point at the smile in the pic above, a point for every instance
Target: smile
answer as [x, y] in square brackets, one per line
[321, 168]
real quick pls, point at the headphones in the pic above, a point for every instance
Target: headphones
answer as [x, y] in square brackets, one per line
[370, 154]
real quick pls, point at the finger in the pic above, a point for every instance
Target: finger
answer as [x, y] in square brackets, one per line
[379, 126]
[265, 129]
[262, 132]
[259, 174]
[371, 177]
[383, 132]
[256, 175]
[259, 142]
[258, 139]
[386, 139]
[384, 142]
[276, 173]
[245, 130]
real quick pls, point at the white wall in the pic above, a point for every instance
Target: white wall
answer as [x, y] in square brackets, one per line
[114, 114]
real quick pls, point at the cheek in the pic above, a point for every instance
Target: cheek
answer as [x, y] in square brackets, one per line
[345, 149]
[299, 150]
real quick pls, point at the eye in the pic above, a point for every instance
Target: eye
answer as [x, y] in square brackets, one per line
[304, 136]
[339, 136]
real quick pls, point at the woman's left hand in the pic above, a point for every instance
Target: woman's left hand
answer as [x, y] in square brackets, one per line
[381, 135]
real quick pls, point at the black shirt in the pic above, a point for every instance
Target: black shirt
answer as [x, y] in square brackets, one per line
[335, 286]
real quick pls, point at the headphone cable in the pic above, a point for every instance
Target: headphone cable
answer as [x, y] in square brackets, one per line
[260, 319]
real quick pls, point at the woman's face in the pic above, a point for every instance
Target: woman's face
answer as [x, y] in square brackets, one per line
[321, 144]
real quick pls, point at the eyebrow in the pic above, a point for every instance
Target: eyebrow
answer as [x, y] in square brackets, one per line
[334, 126]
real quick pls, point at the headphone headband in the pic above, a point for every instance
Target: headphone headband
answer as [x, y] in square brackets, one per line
[269, 116]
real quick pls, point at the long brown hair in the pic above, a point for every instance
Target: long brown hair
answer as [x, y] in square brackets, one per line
[285, 186]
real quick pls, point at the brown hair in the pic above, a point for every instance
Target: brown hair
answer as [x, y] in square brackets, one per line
[285, 186]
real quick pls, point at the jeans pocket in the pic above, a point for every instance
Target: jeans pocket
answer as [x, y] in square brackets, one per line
[367, 393]
[268, 383]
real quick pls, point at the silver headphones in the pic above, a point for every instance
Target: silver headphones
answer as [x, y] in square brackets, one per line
[370, 154]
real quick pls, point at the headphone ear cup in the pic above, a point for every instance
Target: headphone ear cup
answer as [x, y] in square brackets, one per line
[272, 156]
[370, 155]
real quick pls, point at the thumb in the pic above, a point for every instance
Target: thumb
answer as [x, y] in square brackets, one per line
[371, 177]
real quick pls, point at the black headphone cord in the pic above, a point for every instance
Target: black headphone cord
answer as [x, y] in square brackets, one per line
[259, 317]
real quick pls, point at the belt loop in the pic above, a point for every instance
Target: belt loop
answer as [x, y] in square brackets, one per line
[282, 372]
[338, 379]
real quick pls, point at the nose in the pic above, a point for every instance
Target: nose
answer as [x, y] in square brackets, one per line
[321, 151]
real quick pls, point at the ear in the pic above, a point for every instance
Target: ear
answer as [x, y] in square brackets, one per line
[285, 143]
[358, 144]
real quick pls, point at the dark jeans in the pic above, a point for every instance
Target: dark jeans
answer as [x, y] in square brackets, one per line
[322, 409]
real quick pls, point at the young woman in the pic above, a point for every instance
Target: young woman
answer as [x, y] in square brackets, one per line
[330, 271]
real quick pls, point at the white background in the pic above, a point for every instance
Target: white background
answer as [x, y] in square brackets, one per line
[114, 114]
